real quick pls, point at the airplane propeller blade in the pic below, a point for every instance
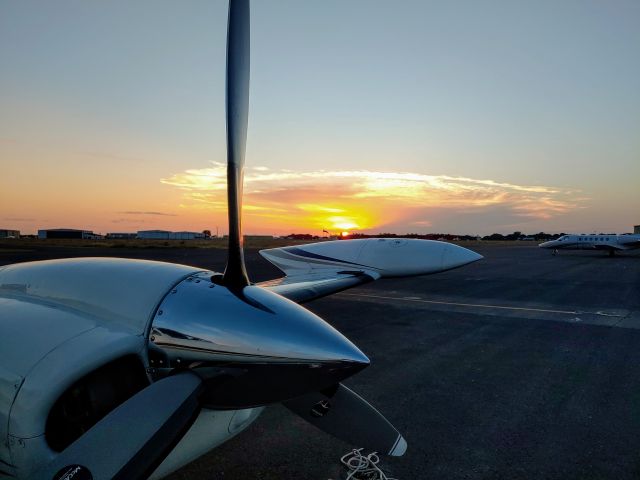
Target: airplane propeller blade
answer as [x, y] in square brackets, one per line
[132, 440]
[235, 274]
[347, 416]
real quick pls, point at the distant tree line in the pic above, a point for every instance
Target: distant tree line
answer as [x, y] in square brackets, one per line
[541, 236]
[423, 236]
[302, 236]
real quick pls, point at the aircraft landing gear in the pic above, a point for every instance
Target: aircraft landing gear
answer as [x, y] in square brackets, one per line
[554, 252]
[612, 253]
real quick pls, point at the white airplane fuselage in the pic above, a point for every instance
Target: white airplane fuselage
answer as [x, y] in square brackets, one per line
[608, 242]
[62, 320]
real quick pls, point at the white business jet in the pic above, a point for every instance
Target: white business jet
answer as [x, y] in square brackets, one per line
[609, 242]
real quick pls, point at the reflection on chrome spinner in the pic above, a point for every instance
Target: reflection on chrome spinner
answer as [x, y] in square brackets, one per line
[201, 321]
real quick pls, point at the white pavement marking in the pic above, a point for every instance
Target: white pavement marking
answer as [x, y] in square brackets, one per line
[478, 305]
[605, 314]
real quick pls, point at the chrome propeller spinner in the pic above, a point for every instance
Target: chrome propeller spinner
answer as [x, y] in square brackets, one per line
[251, 347]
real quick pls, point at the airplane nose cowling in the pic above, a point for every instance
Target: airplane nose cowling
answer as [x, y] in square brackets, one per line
[252, 347]
[455, 256]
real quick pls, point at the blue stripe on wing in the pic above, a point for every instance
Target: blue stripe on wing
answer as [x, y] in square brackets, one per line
[303, 253]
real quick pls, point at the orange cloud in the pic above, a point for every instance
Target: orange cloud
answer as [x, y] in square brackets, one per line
[288, 201]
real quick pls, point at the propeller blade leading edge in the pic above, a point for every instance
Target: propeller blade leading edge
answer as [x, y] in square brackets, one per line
[344, 414]
[237, 103]
[132, 440]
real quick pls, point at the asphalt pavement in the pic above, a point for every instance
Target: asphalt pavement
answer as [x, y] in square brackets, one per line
[521, 366]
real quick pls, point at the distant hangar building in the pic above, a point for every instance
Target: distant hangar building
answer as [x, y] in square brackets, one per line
[636, 229]
[67, 233]
[121, 235]
[167, 235]
[4, 233]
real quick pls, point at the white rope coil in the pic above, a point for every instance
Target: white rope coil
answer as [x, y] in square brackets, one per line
[363, 467]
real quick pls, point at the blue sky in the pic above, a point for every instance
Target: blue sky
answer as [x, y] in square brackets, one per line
[111, 101]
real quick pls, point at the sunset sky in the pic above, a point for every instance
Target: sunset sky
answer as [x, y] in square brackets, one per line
[379, 116]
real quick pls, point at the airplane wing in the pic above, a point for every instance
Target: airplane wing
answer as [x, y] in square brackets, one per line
[607, 247]
[306, 287]
[315, 270]
[629, 241]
